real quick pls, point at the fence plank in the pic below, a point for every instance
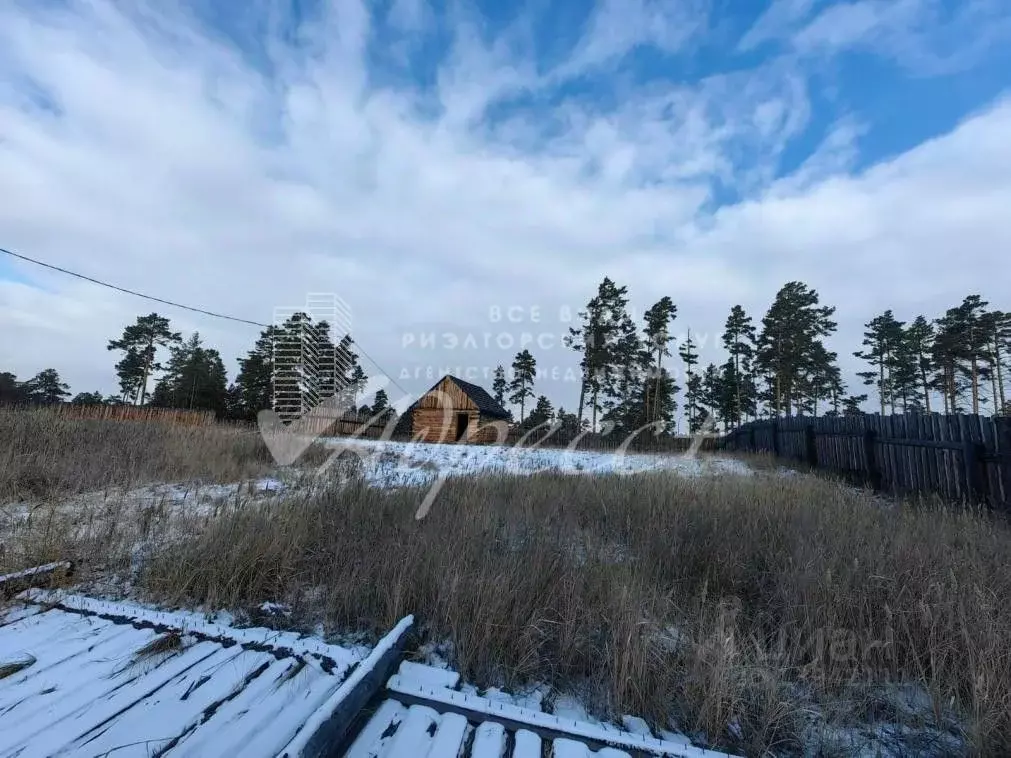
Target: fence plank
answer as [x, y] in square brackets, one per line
[1003, 434]
[960, 457]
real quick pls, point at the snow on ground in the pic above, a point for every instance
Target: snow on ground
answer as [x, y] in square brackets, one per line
[128, 521]
[165, 508]
[192, 498]
[401, 464]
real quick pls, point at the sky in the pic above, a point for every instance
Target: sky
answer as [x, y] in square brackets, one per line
[461, 176]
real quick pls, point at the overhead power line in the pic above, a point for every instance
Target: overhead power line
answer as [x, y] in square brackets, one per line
[129, 291]
[193, 309]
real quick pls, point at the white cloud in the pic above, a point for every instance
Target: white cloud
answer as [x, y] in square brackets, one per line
[617, 27]
[925, 37]
[779, 18]
[175, 166]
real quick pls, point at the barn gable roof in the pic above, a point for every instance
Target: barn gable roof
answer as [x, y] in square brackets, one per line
[485, 403]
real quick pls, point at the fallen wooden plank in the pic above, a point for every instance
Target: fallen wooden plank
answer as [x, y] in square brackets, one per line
[326, 729]
[18, 581]
[547, 726]
[335, 657]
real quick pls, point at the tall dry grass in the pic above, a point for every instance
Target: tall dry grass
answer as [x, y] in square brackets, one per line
[764, 612]
[44, 454]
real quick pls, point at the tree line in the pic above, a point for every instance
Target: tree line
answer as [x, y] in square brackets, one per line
[956, 362]
[194, 376]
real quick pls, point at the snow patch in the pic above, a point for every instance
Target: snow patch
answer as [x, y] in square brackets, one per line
[388, 463]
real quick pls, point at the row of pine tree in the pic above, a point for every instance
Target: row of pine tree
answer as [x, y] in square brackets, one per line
[194, 377]
[956, 362]
[782, 367]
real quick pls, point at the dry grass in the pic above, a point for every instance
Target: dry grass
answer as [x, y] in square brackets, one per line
[45, 454]
[165, 643]
[766, 612]
[77, 489]
[751, 602]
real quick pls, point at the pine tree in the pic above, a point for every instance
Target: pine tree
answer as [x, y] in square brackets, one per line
[88, 398]
[689, 355]
[47, 388]
[254, 385]
[543, 413]
[917, 342]
[662, 400]
[626, 361]
[820, 380]
[235, 409]
[657, 334]
[380, 405]
[791, 330]
[739, 341]
[610, 347]
[976, 333]
[356, 382]
[711, 391]
[499, 386]
[997, 326]
[584, 340]
[129, 370]
[330, 372]
[851, 405]
[295, 375]
[522, 385]
[12, 392]
[944, 356]
[904, 376]
[883, 339]
[959, 353]
[726, 394]
[569, 425]
[834, 389]
[139, 345]
[194, 378]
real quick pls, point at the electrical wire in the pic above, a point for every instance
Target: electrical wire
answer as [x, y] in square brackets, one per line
[193, 309]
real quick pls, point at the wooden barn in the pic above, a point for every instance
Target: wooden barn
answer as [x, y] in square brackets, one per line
[455, 411]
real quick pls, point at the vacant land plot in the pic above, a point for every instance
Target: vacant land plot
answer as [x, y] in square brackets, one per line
[758, 612]
[44, 455]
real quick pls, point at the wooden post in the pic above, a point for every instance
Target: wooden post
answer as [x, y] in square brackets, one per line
[972, 453]
[774, 425]
[811, 448]
[873, 472]
[1004, 465]
[751, 439]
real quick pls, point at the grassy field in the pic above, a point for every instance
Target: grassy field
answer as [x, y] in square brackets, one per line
[44, 455]
[772, 614]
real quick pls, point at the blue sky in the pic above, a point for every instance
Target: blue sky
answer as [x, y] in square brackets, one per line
[429, 162]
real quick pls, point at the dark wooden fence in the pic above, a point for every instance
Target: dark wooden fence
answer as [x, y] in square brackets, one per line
[144, 413]
[959, 457]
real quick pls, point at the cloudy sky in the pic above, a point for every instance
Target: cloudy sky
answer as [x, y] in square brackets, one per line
[463, 175]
